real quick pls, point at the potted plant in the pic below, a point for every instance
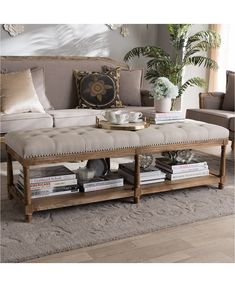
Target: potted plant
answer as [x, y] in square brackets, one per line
[186, 51]
[163, 91]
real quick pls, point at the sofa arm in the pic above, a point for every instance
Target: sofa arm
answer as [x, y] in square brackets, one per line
[146, 99]
[212, 101]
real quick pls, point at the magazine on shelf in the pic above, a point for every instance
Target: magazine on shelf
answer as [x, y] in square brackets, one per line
[167, 165]
[150, 172]
[131, 179]
[46, 193]
[102, 182]
[50, 173]
[184, 175]
[53, 189]
[49, 184]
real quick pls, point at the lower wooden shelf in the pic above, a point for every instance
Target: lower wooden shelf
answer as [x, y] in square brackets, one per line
[72, 199]
[168, 185]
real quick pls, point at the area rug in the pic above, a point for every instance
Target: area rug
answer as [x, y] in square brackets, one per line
[75, 227]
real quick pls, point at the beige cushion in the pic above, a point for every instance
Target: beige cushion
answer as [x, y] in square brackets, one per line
[39, 85]
[228, 103]
[25, 121]
[82, 117]
[61, 141]
[74, 117]
[217, 117]
[18, 94]
[130, 85]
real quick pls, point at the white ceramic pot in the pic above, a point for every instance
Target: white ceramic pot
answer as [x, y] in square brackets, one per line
[162, 105]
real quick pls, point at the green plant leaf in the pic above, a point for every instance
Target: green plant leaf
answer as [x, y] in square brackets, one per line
[196, 81]
[202, 60]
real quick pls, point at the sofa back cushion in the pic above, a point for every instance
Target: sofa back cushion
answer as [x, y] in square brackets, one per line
[18, 94]
[59, 79]
[98, 89]
[228, 103]
[130, 85]
[39, 85]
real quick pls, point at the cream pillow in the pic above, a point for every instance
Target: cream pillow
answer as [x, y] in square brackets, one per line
[18, 94]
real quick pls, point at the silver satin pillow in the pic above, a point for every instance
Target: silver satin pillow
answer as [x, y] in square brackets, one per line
[18, 94]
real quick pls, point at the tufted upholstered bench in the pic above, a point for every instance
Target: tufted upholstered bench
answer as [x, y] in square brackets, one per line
[56, 145]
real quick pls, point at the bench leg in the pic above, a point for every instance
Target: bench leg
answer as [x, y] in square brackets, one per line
[232, 145]
[27, 195]
[137, 189]
[222, 166]
[10, 182]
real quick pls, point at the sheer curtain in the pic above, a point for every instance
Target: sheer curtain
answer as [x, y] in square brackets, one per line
[225, 57]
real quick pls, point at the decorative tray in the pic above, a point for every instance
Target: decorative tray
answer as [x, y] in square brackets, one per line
[127, 127]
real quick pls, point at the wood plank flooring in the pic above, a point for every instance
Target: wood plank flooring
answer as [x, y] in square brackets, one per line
[205, 241]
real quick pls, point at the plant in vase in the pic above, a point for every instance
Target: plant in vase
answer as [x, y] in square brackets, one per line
[163, 91]
[186, 50]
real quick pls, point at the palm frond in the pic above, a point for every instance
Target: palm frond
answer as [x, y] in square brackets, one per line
[202, 60]
[196, 81]
[148, 51]
[211, 37]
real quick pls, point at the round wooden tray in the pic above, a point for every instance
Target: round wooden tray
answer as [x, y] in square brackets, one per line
[128, 127]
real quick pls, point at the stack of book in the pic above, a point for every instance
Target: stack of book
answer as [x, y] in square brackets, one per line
[147, 175]
[182, 170]
[158, 118]
[110, 180]
[49, 181]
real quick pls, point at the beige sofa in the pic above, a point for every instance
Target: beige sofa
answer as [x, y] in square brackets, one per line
[218, 108]
[61, 91]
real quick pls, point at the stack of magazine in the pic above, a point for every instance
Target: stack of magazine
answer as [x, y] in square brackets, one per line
[49, 181]
[182, 170]
[147, 175]
[110, 180]
[158, 118]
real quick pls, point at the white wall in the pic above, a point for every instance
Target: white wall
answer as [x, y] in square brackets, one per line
[190, 97]
[78, 39]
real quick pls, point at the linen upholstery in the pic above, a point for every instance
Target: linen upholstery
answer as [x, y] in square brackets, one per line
[130, 85]
[228, 103]
[58, 141]
[217, 117]
[18, 93]
[25, 121]
[39, 85]
[83, 117]
[59, 79]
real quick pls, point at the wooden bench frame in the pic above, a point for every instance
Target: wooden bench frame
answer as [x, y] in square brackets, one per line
[134, 191]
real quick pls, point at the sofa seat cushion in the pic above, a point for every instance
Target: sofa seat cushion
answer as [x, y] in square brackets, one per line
[82, 117]
[62, 141]
[25, 121]
[74, 117]
[232, 124]
[217, 117]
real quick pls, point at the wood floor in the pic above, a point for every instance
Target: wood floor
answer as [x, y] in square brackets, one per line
[208, 241]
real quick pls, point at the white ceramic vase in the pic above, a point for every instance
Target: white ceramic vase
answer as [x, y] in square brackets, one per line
[162, 105]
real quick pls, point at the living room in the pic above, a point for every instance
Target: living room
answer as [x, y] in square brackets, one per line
[160, 216]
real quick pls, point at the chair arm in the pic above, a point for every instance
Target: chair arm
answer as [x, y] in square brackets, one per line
[146, 98]
[212, 101]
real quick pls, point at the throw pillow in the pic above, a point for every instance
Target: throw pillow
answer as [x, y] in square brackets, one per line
[38, 77]
[98, 90]
[130, 85]
[18, 94]
[228, 103]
